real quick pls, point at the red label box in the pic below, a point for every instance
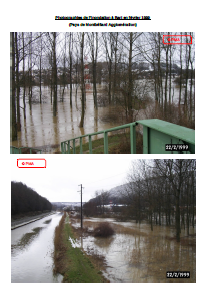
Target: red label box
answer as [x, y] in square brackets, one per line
[177, 39]
[31, 163]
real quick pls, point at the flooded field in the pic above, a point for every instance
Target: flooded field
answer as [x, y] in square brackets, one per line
[32, 252]
[42, 130]
[135, 254]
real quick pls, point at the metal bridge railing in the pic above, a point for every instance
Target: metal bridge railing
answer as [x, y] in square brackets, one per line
[159, 137]
[65, 145]
[15, 150]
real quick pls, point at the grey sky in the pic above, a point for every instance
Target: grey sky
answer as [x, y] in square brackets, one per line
[59, 181]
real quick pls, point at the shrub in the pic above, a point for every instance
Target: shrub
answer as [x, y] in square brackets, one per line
[104, 229]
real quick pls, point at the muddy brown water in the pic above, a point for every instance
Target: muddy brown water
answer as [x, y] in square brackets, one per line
[135, 254]
[32, 252]
[46, 132]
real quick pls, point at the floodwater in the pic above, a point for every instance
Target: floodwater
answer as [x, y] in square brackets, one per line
[32, 252]
[46, 132]
[135, 254]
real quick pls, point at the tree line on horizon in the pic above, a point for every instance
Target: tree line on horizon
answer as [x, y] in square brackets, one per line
[24, 199]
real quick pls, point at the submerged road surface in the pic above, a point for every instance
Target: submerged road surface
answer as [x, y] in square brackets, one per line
[32, 252]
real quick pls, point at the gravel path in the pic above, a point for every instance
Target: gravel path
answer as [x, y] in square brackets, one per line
[28, 219]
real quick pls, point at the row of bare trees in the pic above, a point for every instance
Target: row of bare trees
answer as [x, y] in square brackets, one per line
[118, 60]
[162, 192]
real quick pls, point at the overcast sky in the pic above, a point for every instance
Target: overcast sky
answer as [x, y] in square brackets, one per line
[59, 181]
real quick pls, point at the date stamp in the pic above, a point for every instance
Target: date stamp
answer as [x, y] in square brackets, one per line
[178, 274]
[176, 147]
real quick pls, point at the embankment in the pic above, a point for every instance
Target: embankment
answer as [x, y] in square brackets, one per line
[70, 260]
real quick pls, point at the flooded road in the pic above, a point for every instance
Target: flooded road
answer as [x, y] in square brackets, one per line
[32, 252]
[135, 254]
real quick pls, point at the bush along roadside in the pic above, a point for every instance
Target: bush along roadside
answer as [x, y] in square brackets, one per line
[70, 260]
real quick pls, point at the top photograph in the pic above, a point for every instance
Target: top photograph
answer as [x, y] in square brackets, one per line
[102, 93]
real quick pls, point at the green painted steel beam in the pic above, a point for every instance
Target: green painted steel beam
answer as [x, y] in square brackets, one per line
[133, 138]
[158, 133]
[145, 140]
[170, 129]
[106, 142]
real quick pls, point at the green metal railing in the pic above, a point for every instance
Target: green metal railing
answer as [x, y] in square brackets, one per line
[156, 135]
[65, 145]
[15, 150]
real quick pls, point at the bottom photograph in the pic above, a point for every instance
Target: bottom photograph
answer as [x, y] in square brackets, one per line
[112, 220]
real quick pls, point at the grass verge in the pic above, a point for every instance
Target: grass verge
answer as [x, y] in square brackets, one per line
[70, 261]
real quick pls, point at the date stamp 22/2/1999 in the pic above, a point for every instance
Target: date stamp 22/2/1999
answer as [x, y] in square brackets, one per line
[176, 147]
[178, 274]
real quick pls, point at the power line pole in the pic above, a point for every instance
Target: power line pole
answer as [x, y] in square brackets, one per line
[81, 204]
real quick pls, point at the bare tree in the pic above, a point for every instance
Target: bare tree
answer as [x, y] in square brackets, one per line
[71, 45]
[83, 98]
[13, 102]
[23, 76]
[94, 45]
[54, 73]
[17, 84]
[109, 47]
[175, 171]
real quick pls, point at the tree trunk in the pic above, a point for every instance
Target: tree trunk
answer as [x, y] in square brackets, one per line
[151, 221]
[177, 218]
[13, 102]
[30, 72]
[130, 87]
[54, 69]
[82, 82]
[70, 65]
[24, 85]
[17, 85]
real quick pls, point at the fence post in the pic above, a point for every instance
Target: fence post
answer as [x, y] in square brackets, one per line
[106, 142]
[80, 140]
[146, 140]
[133, 138]
[68, 147]
[74, 149]
[90, 144]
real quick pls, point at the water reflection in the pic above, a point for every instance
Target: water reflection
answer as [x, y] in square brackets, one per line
[136, 254]
[26, 240]
[41, 129]
[32, 252]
